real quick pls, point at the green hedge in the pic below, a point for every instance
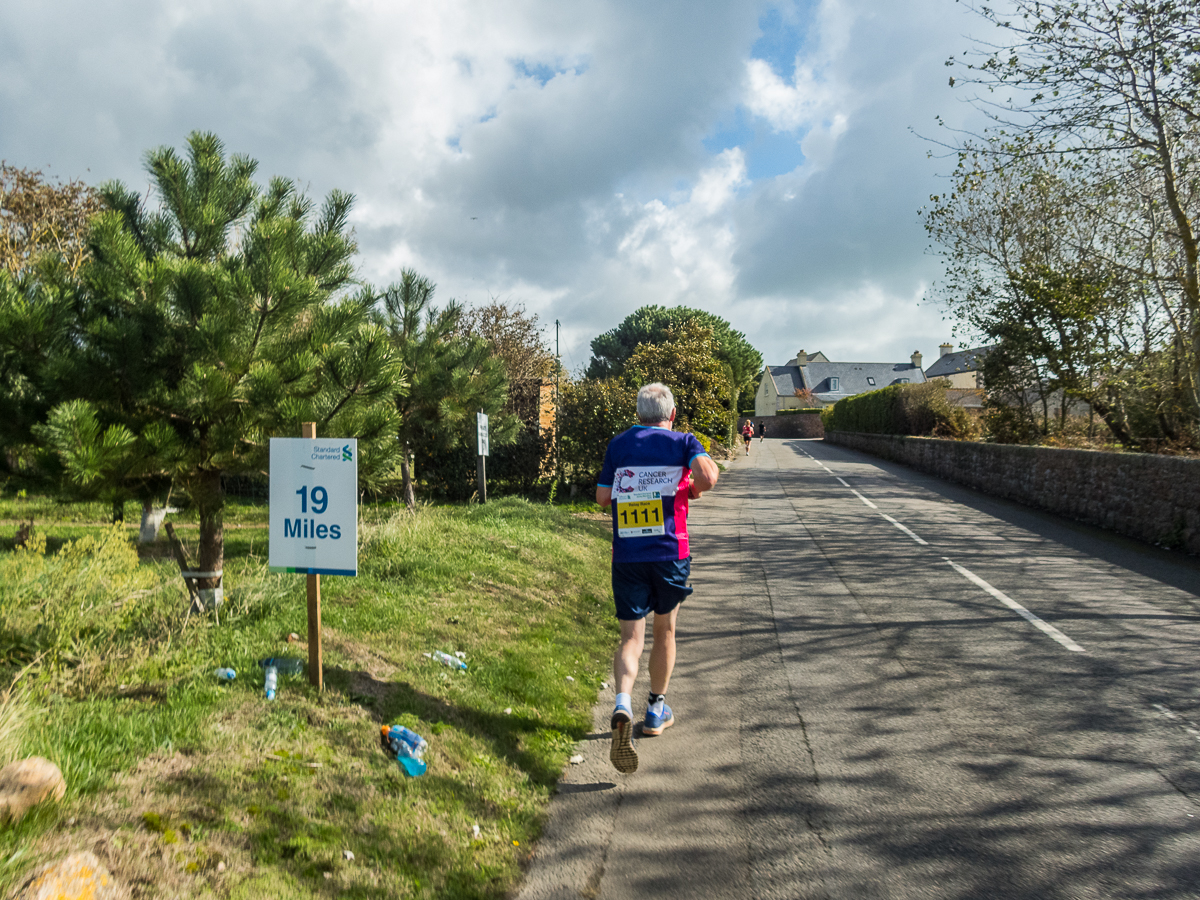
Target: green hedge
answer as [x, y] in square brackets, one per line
[793, 412]
[911, 409]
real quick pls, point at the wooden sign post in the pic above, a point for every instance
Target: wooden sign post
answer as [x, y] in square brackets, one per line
[316, 664]
[314, 519]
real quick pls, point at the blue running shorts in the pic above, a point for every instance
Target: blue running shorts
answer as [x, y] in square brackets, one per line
[641, 588]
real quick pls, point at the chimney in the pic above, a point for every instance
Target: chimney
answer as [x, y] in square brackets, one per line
[801, 358]
[945, 348]
[916, 358]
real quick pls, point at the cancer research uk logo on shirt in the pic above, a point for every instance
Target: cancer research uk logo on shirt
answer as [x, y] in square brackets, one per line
[663, 479]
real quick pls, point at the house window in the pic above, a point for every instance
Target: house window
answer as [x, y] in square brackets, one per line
[835, 384]
[901, 381]
[870, 381]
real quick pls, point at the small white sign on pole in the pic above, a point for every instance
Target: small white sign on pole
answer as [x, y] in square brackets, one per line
[314, 506]
[481, 421]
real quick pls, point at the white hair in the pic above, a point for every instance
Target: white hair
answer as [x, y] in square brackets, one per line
[655, 402]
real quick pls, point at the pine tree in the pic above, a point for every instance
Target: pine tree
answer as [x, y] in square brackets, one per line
[213, 323]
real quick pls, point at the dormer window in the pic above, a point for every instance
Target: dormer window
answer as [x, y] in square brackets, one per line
[870, 381]
[835, 384]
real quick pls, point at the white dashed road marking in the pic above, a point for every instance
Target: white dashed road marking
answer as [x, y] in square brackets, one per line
[1179, 720]
[905, 529]
[863, 499]
[1016, 607]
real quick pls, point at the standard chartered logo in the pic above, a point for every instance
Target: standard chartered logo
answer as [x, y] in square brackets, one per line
[347, 455]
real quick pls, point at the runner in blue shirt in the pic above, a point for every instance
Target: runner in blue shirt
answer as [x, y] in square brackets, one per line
[650, 472]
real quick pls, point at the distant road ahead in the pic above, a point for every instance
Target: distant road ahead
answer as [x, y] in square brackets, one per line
[892, 687]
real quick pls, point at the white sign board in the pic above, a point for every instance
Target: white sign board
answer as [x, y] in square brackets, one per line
[481, 422]
[314, 506]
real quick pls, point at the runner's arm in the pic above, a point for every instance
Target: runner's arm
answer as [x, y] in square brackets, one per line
[604, 495]
[704, 475]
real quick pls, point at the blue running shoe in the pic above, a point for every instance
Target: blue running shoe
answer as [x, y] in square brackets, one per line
[623, 754]
[655, 724]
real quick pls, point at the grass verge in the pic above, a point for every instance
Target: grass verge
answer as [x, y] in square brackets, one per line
[187, 788]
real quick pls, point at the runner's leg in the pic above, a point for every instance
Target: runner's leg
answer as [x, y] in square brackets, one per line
[662, 654]
[623, 754]
[625, 661]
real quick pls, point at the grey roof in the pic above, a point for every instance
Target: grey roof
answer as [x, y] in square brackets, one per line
[857, 378]
[962, 361]
[787, 379]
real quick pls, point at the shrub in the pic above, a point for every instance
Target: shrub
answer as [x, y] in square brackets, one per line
[593, 412]
[911, 409]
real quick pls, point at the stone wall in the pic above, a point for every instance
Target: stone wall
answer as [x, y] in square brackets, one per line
[795, 425]
[1154, 498]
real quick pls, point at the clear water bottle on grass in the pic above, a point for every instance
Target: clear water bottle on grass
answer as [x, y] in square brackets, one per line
[271, 683]
[447, 660]
[226, 674]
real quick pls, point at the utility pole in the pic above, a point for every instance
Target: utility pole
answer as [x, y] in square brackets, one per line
[557, 427]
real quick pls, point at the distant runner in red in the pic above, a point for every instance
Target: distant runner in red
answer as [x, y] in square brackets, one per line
[650, 472]
[747, 433]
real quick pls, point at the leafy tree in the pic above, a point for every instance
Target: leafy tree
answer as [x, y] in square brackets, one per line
[450, 377]
[206, 326]
[686, 361]
[1057, 346]
[39, 217]
[1112, 87]
[1035, 263]
[514, 336]
[649, 325]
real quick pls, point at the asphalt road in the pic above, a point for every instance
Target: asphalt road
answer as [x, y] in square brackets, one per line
[892, 687]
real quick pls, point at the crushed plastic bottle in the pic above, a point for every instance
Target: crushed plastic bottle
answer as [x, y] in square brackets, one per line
[226, 674]
[271, 682]
[406, 746]
[447, 660]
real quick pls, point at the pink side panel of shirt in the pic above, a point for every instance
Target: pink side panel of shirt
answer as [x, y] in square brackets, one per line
[681, 511]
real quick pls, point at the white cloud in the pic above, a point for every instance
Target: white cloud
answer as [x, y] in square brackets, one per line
[536, 151]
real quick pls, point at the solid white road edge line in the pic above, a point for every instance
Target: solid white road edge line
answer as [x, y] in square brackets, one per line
[1016, 607]
[863, 499]
[905, 529]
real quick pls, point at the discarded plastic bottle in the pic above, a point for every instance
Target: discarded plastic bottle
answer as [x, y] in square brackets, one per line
[271, 682]
[416, 744]
[407, 746]
[284, 664]
[226, 674]
[447, 660]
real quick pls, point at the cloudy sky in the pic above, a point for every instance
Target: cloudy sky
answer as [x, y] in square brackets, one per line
[754, 159]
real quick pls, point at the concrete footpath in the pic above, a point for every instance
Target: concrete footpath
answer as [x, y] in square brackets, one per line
[856, 719]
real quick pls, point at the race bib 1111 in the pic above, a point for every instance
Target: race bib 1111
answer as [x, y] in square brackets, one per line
[639, 514]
